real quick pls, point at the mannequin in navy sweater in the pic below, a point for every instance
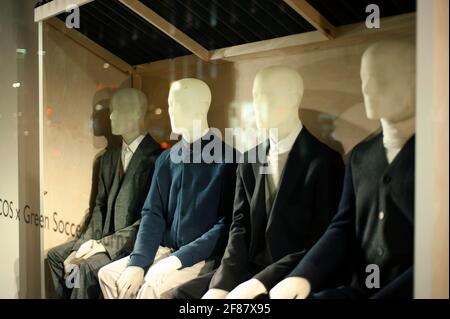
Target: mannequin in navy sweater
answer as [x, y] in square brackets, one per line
[184, 219]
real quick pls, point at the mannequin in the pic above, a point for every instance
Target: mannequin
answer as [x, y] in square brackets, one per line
[126, 121]
[388, 86]
[252, 264]
[273, 109]
[170, 263]
[111, 228]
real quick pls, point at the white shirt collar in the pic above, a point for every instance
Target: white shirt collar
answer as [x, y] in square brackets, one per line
[285, 144]
[133, 145]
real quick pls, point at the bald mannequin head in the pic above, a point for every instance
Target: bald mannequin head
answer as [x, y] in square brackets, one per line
[388, 75]
[277, 94]
[189, 102]
[128, 108]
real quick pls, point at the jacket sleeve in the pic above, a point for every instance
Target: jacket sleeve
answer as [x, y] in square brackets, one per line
[95, 223]
[333, 251]
[234, 267]
[121, 242]
[326, 193]
[152, 226]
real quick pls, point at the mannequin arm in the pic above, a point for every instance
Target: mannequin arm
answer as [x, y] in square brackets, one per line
[234, 268]
[277, 271]
[212, 243]
[332, 253]
[203, 247]
[400, 287]
[328, 175]
[152, 226]
[95, 223]
[121, 242]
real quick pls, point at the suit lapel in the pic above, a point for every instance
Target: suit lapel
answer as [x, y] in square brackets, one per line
[145, 148]
[114, 190]
[258, 200]
[293, 171]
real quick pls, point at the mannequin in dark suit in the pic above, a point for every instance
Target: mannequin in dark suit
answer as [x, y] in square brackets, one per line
[124, 179]
[277, 217]
[372, 235]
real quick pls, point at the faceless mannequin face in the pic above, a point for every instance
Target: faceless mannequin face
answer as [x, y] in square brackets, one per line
[128, 108]
[189, 102]
[388, 81]
[277, 93]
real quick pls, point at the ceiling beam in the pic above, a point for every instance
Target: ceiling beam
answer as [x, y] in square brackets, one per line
[268, 45]
[91, 45]
[399, 26]
[307, 11]
[56, 7]
[163, 25]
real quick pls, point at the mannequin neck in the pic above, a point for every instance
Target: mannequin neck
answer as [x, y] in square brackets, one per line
[196, 131]
[283, 131]
[129, 137]
[396, 134]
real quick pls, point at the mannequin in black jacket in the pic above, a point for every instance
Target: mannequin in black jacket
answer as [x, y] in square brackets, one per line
[374, 227]
[283, 201]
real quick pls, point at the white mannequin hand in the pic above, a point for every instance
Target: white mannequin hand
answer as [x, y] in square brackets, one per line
[215, 294]
[89, 249]
[159, 271]
[249, 289]
[129, 282]
[291, 288]
[69, 263]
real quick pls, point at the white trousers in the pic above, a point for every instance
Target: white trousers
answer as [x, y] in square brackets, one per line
[109, 274]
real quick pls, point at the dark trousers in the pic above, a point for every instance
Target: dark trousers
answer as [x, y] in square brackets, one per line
[87, 286]
[194, 289]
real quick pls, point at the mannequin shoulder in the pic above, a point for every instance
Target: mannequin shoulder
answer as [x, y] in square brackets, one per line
[164, 157]
[230, 155]
[317, 150]
[368, 145]
[109, 154]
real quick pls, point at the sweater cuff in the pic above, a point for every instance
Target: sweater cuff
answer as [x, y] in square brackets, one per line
[139, 261]
[186, 258]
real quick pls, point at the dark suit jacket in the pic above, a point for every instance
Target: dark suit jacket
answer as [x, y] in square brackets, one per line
[307, 198]
[116, 215]
[358, 234]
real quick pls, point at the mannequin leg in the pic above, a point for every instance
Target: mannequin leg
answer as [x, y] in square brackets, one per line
[342, 292]
[194, 289]
[89, 287]
[179, 277]
[55, 260]
[108, 275]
